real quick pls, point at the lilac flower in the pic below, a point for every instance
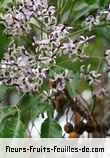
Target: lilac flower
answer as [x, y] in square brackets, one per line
[17, 18]
[59, 32]
[89, 75]
[101, 15]
[69, 47]
[18, 69]
[26, 70]
[92, 21]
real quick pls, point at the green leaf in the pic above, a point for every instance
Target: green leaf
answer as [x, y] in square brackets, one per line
[73, 85]
[51, 129]
[10, 123]
[4, 41]
[66, 63]
[83, 9]
[104, 2]
[31, 106]
[92, 1]
[6, 112]
[3, 92]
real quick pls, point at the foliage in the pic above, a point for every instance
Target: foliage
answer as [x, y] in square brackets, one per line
[61, 54]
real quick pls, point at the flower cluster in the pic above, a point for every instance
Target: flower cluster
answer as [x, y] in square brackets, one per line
[75, 48]
[92, 21]
[26, 71]
[90, 75]
[58, 42]
[95, 20]
[19, 69]
[51, 46]
[17, 19]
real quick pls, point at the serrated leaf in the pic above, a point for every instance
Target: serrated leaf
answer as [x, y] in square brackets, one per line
[31, 106]
[51, 129]
[7, 112]
[10, 123]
